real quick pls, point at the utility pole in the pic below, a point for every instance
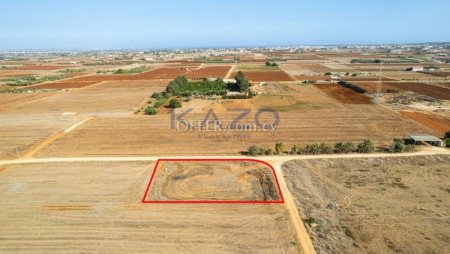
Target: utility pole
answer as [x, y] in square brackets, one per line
[380, 82]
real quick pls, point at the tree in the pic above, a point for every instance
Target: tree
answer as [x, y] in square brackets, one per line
[279, 147]
[397, 146]
[150, 111]
[328, 73]
[253, 150]
[174, 103]
[447, 142]
[242, 83]
[365, 147]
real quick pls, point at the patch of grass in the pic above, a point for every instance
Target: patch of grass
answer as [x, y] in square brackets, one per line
[32, 80]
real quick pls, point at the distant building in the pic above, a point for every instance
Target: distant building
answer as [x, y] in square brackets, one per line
[417, 138]
[229, 80]
[417, 68]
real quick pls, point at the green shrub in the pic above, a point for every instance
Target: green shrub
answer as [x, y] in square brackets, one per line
[253, 150]
[397, 146]
[174, 103]
[159, 103]
[365, 147]
[447, 142]
[346, 147]
[279, 148]
[312, 149]
[325, 149]
[150, 111]
[296, 149]
[157, 96]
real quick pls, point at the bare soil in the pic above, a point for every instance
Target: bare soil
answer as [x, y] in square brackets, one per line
[437, 123]
[437, 92]
[95, 207]
[343, 94]
[374, 205]
[214, 180]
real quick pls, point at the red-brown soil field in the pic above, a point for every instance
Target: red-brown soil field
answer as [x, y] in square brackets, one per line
[421, 88]
[259, 76]
[209, 72]
[371, 86]
[343, 94]
[434, 122]
[305, 77]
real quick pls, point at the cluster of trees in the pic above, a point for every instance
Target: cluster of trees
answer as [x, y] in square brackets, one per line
[366, 61]
[271, 64]
[242, 84]
[180, 86]
[366, 146]
[352, 86]
[160, 100]
[139, 69]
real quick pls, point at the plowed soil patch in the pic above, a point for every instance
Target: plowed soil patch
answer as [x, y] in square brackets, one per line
[434, 122]
[343, 94]
[209, 72]
[259, 76]
[421, 88]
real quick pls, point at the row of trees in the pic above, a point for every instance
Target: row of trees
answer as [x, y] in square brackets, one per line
[366, 146]
[271, 64]
[352, 86]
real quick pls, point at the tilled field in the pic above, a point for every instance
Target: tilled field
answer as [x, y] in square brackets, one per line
[260, 76]
[96, 207]
[422, 88]
[138, 135]
[371, 86]
[209, 72]
[343, 94]
[433, 122]
[374, 205]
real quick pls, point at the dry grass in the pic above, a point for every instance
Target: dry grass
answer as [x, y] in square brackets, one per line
[96, 207]
[374, 205]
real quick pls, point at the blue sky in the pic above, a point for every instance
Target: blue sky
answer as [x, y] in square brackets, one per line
[113, 24]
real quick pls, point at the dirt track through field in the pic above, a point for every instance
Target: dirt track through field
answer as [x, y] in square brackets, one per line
[52, 138]
[302, 235]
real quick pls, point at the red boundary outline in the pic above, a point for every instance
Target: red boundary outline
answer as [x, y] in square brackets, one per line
[212, 201]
